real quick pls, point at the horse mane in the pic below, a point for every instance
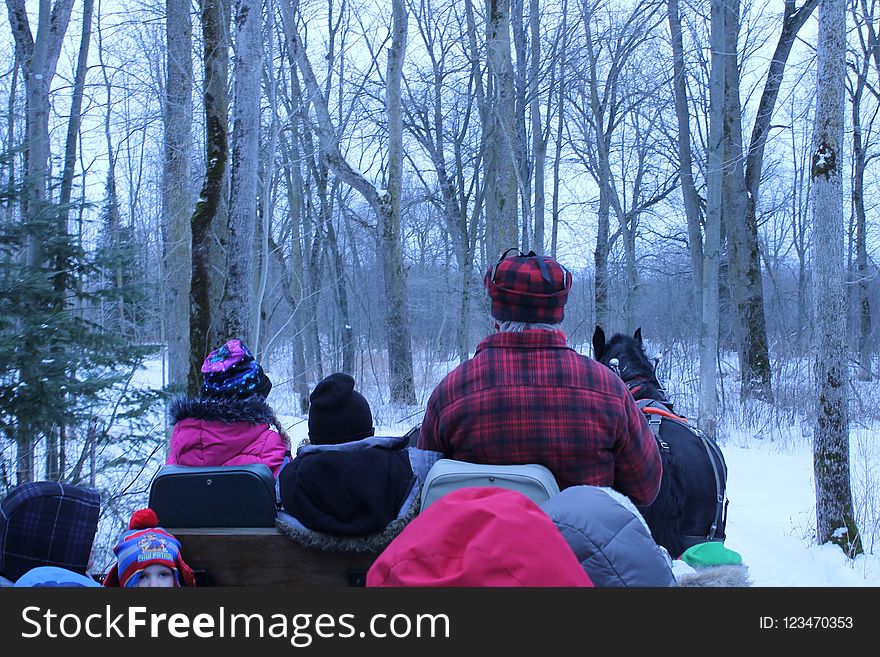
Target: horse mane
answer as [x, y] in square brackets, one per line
[633, 364]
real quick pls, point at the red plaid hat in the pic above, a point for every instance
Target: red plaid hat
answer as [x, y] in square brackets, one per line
[528, 288]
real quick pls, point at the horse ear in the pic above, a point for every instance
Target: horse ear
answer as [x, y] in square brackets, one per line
[638, 336]
[598, 343]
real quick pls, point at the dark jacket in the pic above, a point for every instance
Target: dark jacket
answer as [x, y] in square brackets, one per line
[609, 537]
[350, 489]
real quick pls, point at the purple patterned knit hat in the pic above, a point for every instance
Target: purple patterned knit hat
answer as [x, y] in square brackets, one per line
[231, 372]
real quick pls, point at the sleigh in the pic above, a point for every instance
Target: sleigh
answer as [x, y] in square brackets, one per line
[227, 521]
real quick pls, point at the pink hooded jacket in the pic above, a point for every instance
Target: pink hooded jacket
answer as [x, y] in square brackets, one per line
[482, 536]
[209, 432]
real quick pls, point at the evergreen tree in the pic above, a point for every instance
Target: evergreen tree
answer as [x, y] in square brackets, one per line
[62, 368]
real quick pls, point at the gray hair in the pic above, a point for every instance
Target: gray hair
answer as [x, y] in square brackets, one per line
[519, 327]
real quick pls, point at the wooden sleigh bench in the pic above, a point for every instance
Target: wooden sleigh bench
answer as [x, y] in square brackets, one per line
[262, 556]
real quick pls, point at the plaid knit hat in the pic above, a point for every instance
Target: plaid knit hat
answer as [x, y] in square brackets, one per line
[528, 288]
[146, 544]
[231, 372]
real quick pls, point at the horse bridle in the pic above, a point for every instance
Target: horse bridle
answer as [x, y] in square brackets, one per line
[635, 384]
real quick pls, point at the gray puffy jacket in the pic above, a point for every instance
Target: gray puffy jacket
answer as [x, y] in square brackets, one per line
[609, 537]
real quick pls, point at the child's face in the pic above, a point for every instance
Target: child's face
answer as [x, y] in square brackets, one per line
[156, 575]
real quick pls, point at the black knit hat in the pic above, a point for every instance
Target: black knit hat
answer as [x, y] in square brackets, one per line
[337, 413]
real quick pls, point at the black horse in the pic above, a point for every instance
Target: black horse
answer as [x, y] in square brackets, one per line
[691, 506]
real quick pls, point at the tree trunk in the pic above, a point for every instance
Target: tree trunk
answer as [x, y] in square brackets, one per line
[266, 195]
[743, 247]
[539, 144]
[346, 331]
[560, 125]
[55, 450]
[689, 194]
[176, 190]
[863, 304]
[214, 19]
[397, 323]
[113, 219]
[708, 414]
[292, 278]
[502, 231]
[237, 308]
[835, 520]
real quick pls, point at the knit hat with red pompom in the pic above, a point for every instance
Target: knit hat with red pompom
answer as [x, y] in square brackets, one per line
[146, 544]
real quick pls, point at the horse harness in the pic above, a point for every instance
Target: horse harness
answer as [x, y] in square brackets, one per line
[655, 412]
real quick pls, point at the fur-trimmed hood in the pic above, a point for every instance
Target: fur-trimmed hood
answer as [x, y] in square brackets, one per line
[293, 529]
[718, 576]
[217, 433]
[253, 410]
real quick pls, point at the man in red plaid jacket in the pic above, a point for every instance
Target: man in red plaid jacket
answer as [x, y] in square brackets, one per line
[527, 397]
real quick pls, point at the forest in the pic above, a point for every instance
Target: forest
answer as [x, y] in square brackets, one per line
[330, 180]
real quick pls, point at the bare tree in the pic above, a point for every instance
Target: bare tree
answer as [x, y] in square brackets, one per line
[606, 96]
[835, 521]
[176, 188]
[742, 195]
[498, 121]
[862, 132]
[708, 416]
[215, 19]
[439, 115]
[384, 204]
[692, 203]
[237, 308]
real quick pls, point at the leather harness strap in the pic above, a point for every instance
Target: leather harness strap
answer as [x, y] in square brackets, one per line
[655, 412]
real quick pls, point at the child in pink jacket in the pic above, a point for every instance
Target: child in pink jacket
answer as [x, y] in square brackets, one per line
[230, 423]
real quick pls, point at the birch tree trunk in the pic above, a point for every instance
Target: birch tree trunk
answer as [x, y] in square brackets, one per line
[708, 414]
[237, 308]
[835, 521]
[176, 188]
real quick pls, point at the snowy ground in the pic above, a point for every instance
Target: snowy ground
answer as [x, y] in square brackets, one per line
[771, 521]
[771, 517]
